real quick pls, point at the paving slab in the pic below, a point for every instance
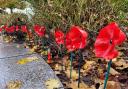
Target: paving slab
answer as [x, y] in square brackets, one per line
[32, 75]
[11, 50]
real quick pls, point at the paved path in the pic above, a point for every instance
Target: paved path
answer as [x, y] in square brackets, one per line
[32, 75]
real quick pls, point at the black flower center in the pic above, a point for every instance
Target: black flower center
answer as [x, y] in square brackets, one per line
[110, 41]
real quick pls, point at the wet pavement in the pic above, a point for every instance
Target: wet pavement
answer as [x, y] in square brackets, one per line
[32, 75]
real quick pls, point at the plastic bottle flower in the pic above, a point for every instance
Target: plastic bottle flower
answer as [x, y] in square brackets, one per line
[10, 29]
[24, 29]
[40, 30]
[4, 27]
[59, 37]
[76, 39]
[109, 37]
[17, 28]
[0, 29]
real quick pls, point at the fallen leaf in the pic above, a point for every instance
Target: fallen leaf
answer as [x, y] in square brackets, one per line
[58, 67]
[27, 60]
[112, 85]
[52, 84]
[7, 39]
[74, 85]
[121, 64]
[33, 49]
[88, 65]
[113, 71]
[44, 52]
[14, 84]
[74, 74]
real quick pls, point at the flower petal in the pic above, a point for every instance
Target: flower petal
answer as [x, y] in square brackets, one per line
[0, 29]
[84, 39]
[75, 38]
[106, 51]
[59, 37]
[17, 28]
[10, 29]
[24, 28]
[40, 30]
[121, 38]
[112, 54]
[103, 46]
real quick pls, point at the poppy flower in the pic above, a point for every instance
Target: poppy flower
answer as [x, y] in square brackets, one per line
[0, 29]
[109, 37]
[76, 38]
[10, 29]
[17, 28]
[4, 27]
[24, 29]
[40, 30]
[59, 37]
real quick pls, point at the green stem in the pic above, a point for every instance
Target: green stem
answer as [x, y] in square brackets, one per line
[71, 59]
[107, 75]
[61, 57]
[36, 40]
[43, 41]
[79, 67]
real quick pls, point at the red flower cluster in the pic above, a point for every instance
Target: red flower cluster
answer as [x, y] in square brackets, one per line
[59, 37]
[10, 29]
[15, 28]
[76, 38]
[109, 37]
[40, 30]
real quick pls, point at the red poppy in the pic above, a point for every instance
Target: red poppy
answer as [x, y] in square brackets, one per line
[0, 29]
[10, 29]
[59, 37]
[40, 30]
[76, 38]
[17, 28]
[108, 38]
[4, 27]
[24, 29]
